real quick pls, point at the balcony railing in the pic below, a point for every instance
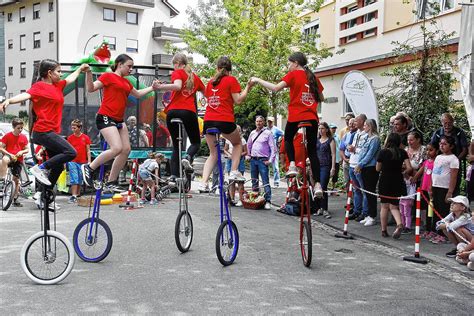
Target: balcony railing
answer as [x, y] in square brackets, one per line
[166, 33]
[137, 4]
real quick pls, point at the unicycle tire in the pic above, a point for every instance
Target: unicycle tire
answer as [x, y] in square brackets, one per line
[306, 244]
[183, 231]
[227, 243]
[92, 249]
[57, 265]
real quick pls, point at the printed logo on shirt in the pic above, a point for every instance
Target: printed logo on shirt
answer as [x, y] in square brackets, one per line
[186, 92]
[307, 98]
[438, 170]
[214, 100]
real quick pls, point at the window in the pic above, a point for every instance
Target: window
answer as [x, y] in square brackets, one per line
[22, 70]
[369, 2]
[10, 71]
[109, 14]
[351, 23]
[36, 40]
[433, 7]
[22, 42]
[370, 32]
[132, 46]
[111, 41]
[370, 16]
[51, 6]
[132, 17]
[352, 38]
[22, 14]
[9, 17]
[51, 37]
[36, 11]
[347, 108]
[311, 32]
[10, 44]
[23, 102]
[352, 8]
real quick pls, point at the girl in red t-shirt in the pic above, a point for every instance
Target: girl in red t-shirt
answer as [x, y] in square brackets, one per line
[184, 86]
[48, 101]
[222, 92]
[109, 119]
[305, 94]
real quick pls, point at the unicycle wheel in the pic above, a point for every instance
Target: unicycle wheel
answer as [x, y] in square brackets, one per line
[183, 231]
[92, 243]
[306, 243]
[47, 260]
[227, 242]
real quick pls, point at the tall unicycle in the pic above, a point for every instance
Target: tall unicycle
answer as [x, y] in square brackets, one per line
[183, 231]
[306, 237]
[227, 237]
[47, 257]
[92, 237]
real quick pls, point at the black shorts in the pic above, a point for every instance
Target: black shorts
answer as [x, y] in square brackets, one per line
[103, 121]
[223, 127]
[15, 167]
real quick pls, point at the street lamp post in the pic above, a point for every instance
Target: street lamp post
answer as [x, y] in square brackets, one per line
[85, 46]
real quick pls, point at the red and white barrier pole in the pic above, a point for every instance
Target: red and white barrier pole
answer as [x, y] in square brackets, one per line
[344, 233]
[416, 258]
[128, 205]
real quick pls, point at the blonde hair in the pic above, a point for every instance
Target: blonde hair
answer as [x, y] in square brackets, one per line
[181, 59]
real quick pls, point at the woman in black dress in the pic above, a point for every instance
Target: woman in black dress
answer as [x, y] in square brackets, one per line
[390, 163]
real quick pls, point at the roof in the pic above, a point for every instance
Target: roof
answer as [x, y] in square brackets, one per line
[173, 11]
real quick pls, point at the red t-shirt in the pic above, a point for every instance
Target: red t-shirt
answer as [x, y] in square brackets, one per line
[80, 145]
[116, 91]
[303, 105]
[220, 105]
[184, 99]
[162, 133]
[48, 103]
[14, 144]
[299, 149]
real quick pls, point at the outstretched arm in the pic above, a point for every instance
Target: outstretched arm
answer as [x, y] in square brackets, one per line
[175, 86]
[142, 92]
[268, 85]
[91, 85]
[73, 76]
[16, 99]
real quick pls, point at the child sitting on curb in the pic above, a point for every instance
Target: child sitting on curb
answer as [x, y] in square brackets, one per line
[457, 226]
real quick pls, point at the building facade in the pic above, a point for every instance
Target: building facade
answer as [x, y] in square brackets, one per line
[67, 30]
[362, 31]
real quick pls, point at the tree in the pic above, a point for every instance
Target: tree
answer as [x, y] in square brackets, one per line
[423, 87]
[258, 36]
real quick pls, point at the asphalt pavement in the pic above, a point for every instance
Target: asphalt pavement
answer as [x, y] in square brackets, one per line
[146, 274]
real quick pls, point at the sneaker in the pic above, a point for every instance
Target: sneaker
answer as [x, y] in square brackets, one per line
[40, 174]
[470, 266]
[186, 164]
[276, 185]
[16, 203]
[452, 253]
[292, 171]
[360, 218]
[37, 196]
[113, 187]
[203, 188]
[143, 201]
[438, 239]
[153, 202]
[326, 214]
[318, 191]
[364, 220]
[461, 261]
[72, 200]
[353, 216]
[238, 203]
[268, 206]
[406, 231]
[87, 174]
[319, 212]
[235, 175]
[52, 207]
[369, 221]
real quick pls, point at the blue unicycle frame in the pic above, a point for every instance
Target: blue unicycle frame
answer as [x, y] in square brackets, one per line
[227, 233]
[91, 226]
